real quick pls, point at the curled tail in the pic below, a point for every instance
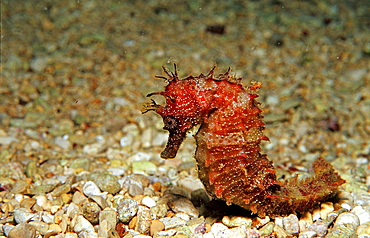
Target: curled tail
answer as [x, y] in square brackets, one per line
[299, 196]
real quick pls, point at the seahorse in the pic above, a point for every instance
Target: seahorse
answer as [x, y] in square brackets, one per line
[228, 154]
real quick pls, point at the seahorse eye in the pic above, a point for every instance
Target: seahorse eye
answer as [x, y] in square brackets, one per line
[169, 123]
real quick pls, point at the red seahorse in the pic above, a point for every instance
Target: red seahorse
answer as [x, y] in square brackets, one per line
[228, 155]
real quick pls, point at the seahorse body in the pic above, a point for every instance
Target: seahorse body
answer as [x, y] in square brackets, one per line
[228, 155]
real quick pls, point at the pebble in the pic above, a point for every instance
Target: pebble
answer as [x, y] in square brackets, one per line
[7, 140]
[237, 232]
[362, 214]
[79, 199]
[159, 211]
[91, 189]
[291, 224]
[237, 221]
[143, 167]
[342, 231]
[40, 227]
[62, 143]
[320, 227]
[218, 227]
[82, 224]
[110, 216]
[22, 215]
[167, 233]
[156, 226]
[172, 222]
[27, 203]
[106, 182]
[143, 220]
[22, 230]
[148, 201]
[190, 184]
[127, 209]
[47, 218]
[201, 228]
[267, 229]
[348, 218]
[72, 209]
[81, 163]
[280, 232]
[363, 230]
[182, 204]
[103, 229]
[91, 212]
[70, 235]
[326, 208]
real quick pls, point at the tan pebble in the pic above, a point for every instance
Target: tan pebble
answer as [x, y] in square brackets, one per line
[23, 230]
[103, 229]
[54, 209]
[326, 208]
[280, 232]
[64, 223]
[72, 210]
[58, 216]
[41, 227]
[110, 216]
[51, 233]
[316, 214]
[37, 208]
[79, 198]
[208, 227]
[363, 230]
[235, 221]
[66, 198]
[55, 227]
[138, 198]
[307, 217]
[28, 203]
[303, 226]
[156, 226]
[132, 223]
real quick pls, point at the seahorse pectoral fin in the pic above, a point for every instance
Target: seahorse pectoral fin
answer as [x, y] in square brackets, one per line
[174, 141]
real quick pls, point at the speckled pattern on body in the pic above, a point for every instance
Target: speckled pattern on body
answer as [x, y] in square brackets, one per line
[75, 151]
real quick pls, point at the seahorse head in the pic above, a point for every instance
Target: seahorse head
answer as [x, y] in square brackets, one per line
[181, 112]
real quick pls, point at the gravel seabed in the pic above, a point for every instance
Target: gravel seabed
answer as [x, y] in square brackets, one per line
[78, 159]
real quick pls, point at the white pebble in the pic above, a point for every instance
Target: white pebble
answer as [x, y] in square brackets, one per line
[41, 200]
[6, 140]
[148, 201]
[62, 143]
[91, 189]
[218, 227]
[362, 214]
[48, 218]
[70, 235]
[326, 208]
[346, 206]
[348, 218]
[126, 140]
[81, 224]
